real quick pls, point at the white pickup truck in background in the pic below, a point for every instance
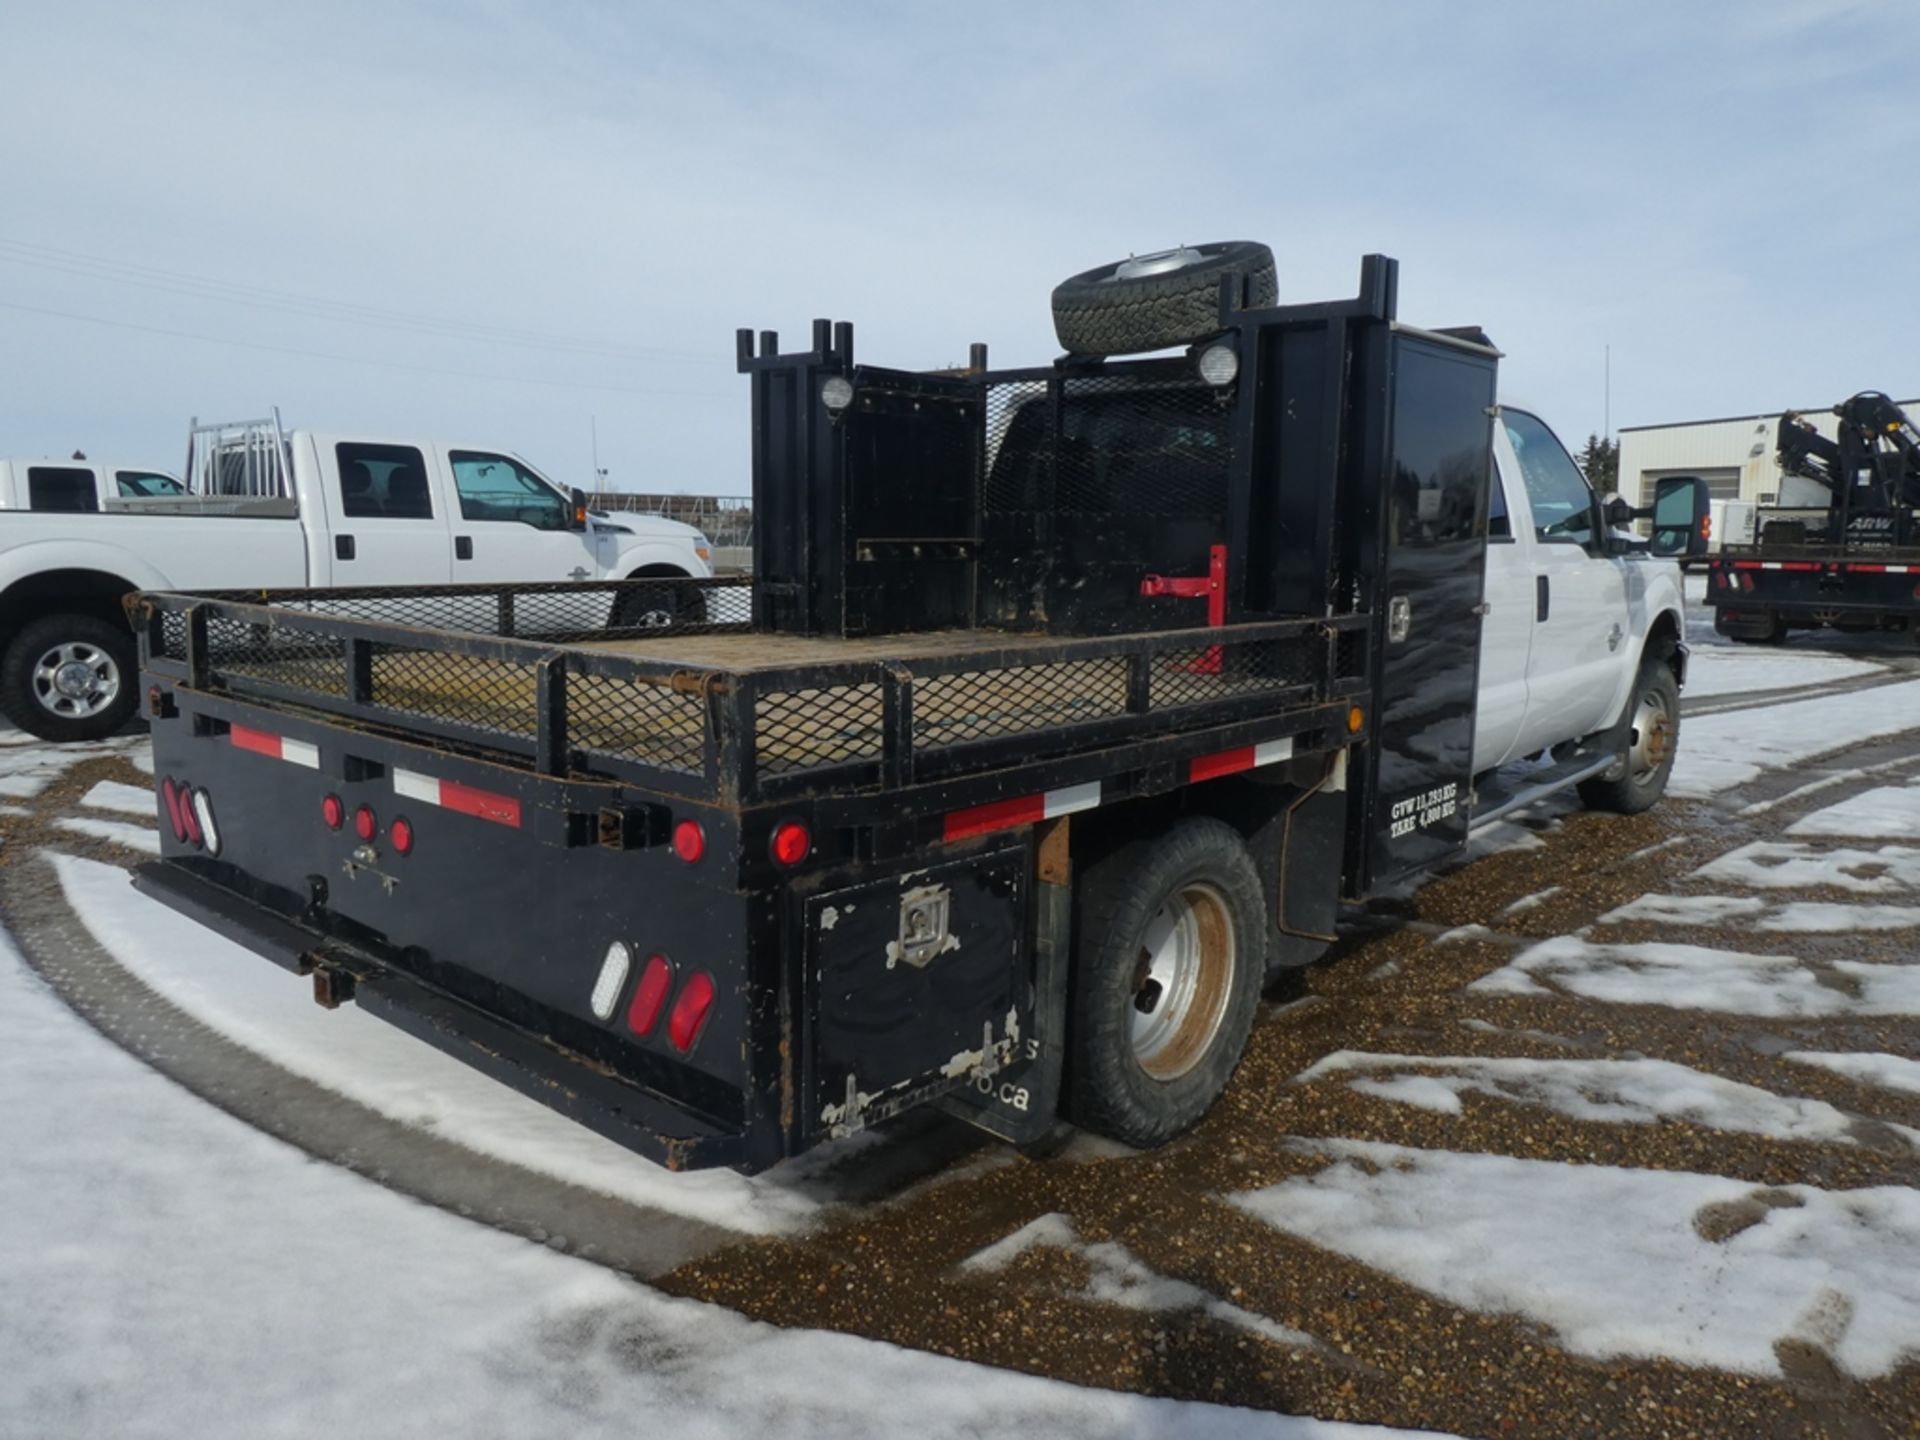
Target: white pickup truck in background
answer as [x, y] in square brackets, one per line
[294, 510]
[78, 486]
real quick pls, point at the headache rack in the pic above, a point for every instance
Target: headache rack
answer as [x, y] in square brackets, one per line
[668, 684]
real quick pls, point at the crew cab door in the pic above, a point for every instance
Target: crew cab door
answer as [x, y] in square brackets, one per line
[1580, 623]
[387, 524]
[512, 524]
[1506, 629]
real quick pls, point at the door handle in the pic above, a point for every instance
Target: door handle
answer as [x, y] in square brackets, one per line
[463, 547]
[1540, 597]
[343, 547]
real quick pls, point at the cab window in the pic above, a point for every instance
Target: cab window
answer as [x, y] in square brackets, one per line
[1557, 491]
[383, 482]
[146, 483]
[60, 487]
[494, 487]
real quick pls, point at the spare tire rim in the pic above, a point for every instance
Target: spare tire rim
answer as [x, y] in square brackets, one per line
[76, 680]
[1182, 980]
[1160, 262]
[1652, 736]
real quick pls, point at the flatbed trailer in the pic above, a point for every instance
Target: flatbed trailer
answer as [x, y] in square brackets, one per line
[1023, 653]
[1761, 591]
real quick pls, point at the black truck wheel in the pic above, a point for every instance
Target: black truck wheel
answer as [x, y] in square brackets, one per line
[1652, 740]
[1169, 949]
[1148, 302]
[69, 677]
[658, 606]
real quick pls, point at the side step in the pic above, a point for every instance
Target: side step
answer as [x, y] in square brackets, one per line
[1493, 798]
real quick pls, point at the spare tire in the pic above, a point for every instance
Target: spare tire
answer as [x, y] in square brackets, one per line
[1149, 302]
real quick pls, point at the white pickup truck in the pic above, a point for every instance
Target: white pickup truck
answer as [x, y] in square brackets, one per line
[81, 485]
[1583, 629]
[336, 510]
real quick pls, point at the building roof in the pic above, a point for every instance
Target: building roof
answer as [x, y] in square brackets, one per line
[1730, 419]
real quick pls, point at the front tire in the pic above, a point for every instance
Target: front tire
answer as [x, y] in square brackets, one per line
[1638, 781]
[658, 605]
[1170, 942]
[69, 677]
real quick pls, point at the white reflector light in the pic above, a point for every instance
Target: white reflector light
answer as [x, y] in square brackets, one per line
[1219, 364]
[613, 978]
[836, 392]
[209, 832]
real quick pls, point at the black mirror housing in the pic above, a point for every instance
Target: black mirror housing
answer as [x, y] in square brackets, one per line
[1682, 524]
[577, 512]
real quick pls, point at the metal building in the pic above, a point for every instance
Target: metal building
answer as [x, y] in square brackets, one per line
[1733, 455]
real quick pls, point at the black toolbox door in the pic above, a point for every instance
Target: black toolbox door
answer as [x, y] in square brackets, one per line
[1438, 464]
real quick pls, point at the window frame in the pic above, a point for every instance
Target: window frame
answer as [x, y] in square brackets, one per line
[563, 504]
[1590, 536]
[393, 457]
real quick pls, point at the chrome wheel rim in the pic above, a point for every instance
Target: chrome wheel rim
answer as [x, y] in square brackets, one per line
[76, 680]
[1653, 736]
[1182, 978]
[1160, 262]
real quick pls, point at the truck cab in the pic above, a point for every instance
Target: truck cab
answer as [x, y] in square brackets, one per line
[1573, 608]
[81, 486]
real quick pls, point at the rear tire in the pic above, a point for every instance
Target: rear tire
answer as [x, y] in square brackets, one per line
[70, 677]
[1149, 302]
[1652, 741]
[1169, 955]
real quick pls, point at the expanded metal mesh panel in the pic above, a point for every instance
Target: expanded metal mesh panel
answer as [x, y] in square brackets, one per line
[280, 654]
[1208, 673]
[801, 729]
[638, 720]
[1120, 444]
[496, 697]
[1350, 654]
[983, 704]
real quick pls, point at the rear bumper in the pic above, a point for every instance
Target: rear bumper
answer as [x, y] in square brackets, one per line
[583, 1090]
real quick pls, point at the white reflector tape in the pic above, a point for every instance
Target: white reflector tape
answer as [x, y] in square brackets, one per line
[1071, 798]
[452, 795]
[416, 786]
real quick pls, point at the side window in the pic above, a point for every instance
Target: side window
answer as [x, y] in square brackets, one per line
[1499, 523]
[493, 487]
[61, 487]
[1562, 503]
[383, 482]
[146, 483]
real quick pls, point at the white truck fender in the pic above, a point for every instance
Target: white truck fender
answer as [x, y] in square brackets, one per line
[41, 557]
[658, 552]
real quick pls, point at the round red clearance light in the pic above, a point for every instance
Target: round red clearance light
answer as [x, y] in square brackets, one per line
[690, 1011]
[400, 834]
[333, 812]
[791, 843]
[364, 823]
[689, 841]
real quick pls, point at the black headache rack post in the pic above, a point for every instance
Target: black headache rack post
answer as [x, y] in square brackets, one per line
[983, 600]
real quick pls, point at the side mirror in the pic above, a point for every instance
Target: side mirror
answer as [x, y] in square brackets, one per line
[1682, 524]
[577, 520]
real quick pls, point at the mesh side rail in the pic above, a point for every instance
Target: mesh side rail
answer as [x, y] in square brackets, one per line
[557, 612]
[973, 711]
[507, 695]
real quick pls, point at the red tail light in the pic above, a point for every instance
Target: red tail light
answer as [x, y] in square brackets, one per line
[364, 823]
[400, 833]
[170, 796]
[791, 843]
[189, 822]
[333, 811]
[690, 1012]
[689, 841]
[650, 995]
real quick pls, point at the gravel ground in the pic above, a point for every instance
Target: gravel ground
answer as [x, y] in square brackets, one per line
[1247, 1314]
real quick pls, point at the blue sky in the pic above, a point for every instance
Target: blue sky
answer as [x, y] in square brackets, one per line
[497, 222]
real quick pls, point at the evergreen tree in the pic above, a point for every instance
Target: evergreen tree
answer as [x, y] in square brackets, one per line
[1600, 463]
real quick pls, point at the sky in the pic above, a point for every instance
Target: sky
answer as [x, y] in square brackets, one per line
[530, 225]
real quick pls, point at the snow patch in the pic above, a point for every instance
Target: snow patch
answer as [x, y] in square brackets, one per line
[1612, 1092]
[1724, 671]
[127, 799]
[1691, 977]
[1618, 1261]
[1785, 865]
[1722, 752]
[1796, 916]
[1889, 813]
[134, 837]
[1888, 1072]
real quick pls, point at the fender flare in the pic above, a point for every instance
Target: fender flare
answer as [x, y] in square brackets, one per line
[660, 552]
[44, 557]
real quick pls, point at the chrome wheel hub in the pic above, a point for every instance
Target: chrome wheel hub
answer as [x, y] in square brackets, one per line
[76, 680]
[1182, 978]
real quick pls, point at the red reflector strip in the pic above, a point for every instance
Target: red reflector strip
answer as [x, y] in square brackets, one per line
[1247, 757]
[1884, 569]
[1023, 810]
[452, 795]
[277, 747]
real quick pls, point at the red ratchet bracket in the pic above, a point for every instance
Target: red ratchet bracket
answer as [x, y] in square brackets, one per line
[1213, 585]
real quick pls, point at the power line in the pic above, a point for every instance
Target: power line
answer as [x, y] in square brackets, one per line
[358, 359]
[203, 287]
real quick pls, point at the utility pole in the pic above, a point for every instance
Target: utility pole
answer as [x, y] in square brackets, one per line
[599, 475]
[1607, 403]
